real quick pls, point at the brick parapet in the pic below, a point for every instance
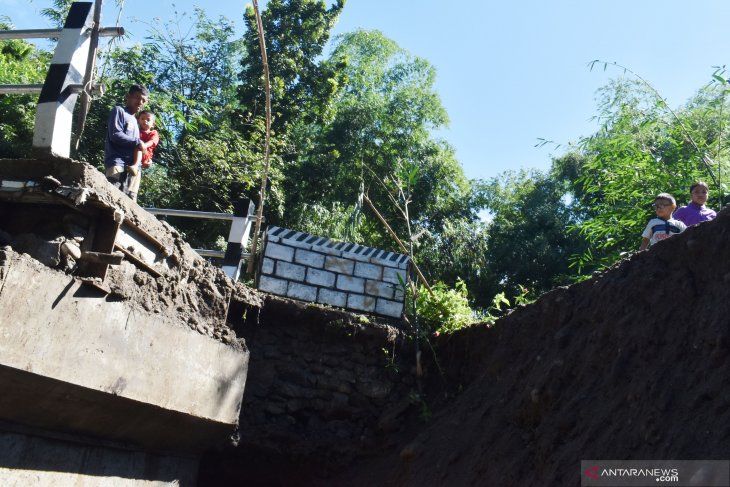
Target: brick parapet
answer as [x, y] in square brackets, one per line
[317, 269]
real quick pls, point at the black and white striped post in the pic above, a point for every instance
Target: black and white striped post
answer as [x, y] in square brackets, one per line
[243, 218]
[64, 82]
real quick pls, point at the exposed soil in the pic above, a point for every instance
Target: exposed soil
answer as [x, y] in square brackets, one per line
[631, 364]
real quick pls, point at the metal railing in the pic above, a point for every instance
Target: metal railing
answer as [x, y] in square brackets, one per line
[53, 33]
[238, 237]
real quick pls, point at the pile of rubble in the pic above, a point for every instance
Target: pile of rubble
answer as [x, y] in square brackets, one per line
[65, 215]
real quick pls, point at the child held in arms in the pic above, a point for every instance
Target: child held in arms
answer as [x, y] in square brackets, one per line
[696, 211]
[663, 226]
[142, 158]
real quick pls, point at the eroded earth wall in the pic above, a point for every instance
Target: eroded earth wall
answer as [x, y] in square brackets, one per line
[631, 364]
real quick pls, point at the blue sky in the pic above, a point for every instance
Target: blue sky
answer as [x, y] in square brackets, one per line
[510, 73]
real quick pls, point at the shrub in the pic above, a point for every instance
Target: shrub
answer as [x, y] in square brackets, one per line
[446, 310]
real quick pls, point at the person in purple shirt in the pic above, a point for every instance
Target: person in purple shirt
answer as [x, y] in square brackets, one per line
[122, 137]
[696, 211]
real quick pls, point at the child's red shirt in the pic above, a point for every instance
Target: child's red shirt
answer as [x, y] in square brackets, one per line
[151, 136]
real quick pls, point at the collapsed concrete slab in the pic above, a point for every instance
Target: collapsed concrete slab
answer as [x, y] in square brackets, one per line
[109, 369]
[112, 330]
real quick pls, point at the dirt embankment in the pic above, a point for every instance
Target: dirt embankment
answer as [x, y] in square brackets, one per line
[631, 364]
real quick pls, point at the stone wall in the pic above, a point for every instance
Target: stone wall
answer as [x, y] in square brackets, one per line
[324, 386]
[319, 270]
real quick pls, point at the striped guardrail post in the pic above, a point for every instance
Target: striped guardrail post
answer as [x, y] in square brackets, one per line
[64, 82]
[243, 218]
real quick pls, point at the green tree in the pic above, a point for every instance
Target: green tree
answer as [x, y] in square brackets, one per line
[459, 252]
[202, 163]
[20, 63]
[209, 165]
[529, 239]
[383, 119]
[58, 12]
[302, 85]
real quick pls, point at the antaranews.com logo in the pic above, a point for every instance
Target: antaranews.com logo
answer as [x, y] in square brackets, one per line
[619, 473]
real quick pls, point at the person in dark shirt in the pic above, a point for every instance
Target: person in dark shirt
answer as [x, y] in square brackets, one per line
[122, 137]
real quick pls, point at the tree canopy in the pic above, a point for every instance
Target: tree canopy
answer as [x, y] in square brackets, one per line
[20, 63]
[382, 119]
[641, 149]
[358, 115]
[302, 84]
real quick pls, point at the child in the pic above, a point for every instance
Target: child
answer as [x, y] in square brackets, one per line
[663, 226]
[143, 158]
[696, 211]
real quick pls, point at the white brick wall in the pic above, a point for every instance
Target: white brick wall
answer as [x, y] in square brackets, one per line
[380, 289]
[279, 252]
[349, 283]
[293, 272]
[327, 250]
[267, 266]
[391, 275]
[273, 285]
[302, 291]
[370, 271]
[339, 265]
[317, 269]
[362, 302]
[310, 259]
[334, 298]
[321, 278]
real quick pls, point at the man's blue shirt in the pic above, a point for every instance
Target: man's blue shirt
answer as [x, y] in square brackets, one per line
[122, 136]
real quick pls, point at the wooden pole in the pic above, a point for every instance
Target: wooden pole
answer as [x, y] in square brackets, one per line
[403, 247]
[264, 179]
[83, 109]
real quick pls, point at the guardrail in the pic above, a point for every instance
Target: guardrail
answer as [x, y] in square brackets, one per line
[35, 89]
[241, 222]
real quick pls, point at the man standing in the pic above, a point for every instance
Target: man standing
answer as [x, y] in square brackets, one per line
[122, 137]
